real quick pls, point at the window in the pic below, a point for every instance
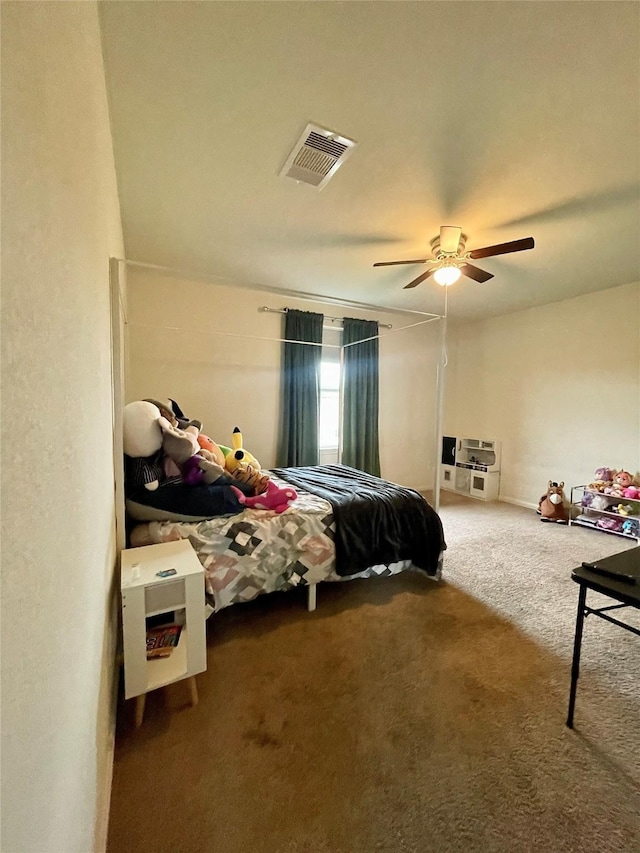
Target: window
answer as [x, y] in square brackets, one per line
[328, 434]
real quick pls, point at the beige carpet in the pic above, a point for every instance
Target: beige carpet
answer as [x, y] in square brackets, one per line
[404, 715]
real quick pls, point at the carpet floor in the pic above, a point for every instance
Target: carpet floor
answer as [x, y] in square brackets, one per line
[403, 716]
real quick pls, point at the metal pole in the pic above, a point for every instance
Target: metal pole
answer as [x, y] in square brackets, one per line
[341, 407]
[440, 376]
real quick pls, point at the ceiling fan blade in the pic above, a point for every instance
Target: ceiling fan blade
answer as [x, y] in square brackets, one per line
[503, 248]
[475, 273]
[420, 279]
[449, 238]
[394, 263]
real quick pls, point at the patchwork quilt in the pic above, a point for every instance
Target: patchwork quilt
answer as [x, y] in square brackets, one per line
[259, 551]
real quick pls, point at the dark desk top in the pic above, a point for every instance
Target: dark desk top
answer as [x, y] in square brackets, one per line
[627, 562]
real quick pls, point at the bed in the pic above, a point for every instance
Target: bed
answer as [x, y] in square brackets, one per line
[343, 525]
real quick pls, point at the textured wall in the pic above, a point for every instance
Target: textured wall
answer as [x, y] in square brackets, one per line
[231, 380]
[559, 385]
[60, 223]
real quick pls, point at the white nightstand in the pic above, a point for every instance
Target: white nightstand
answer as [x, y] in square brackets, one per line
[181, 597]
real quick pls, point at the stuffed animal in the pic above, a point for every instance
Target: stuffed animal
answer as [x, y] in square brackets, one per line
[239, 453]
[195, 464]
[599, 502]
[274, 498]
[614, 524]
[141, 433]
[253, 477]
[243, 466]
[631, 527]
[551, 505]
[624, 509]
[142, 444]
[632, 492]
[622, 480]
[214, 449]
[170, 410]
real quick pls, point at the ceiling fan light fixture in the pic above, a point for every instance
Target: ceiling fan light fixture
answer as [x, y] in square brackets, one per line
[447, 275]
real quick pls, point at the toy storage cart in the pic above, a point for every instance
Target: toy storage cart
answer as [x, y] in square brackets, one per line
[607, 519]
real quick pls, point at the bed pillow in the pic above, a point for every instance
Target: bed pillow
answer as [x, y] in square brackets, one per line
[179, 502]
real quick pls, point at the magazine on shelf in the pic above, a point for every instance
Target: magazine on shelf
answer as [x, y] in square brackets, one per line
[162, 641]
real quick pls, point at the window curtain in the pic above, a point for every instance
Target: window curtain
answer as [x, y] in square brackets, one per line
[300, 396]
[360, 448]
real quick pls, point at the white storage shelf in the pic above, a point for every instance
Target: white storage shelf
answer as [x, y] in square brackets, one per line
[180, 596]
[585, 515]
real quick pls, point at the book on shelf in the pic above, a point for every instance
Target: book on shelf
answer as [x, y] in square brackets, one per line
[162, 641]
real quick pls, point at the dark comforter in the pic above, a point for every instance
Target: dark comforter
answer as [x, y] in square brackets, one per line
[377, 522]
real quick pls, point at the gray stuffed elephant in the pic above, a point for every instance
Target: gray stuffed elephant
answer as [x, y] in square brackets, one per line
[195, 464]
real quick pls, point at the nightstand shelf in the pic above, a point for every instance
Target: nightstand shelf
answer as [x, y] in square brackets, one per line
[146, 597]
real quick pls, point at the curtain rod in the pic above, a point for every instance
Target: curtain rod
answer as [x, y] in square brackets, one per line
[280, 291]
[326, 316]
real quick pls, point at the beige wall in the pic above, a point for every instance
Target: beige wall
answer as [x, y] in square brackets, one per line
[60, 223]
[229, 380]
[559, 385]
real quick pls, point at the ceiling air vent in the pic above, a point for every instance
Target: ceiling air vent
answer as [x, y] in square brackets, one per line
[316, 156]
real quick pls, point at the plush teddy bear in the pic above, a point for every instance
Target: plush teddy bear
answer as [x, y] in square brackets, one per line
[551, 505]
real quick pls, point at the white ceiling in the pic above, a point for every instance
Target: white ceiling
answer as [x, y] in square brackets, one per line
[510, 119]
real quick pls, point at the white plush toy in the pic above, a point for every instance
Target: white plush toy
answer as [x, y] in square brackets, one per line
[142, 434]
[141, 441]
[146, 431]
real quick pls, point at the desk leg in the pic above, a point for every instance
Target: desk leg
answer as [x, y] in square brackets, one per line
[577, 646]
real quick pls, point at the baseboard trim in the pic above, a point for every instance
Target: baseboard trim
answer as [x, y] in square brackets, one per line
[517, 502]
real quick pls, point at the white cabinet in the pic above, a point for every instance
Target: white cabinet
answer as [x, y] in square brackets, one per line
[485, 486]
[448, 480]
[463, 481]
[471, 466]
[591, 508]
[161, 585]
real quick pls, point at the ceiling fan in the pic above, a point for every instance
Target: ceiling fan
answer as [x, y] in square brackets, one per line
[450, 259]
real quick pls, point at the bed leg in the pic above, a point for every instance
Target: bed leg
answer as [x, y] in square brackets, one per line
[311, 597]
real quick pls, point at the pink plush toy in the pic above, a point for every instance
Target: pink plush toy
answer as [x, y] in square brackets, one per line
[274, 498]
[632, 492]
[621, 481]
